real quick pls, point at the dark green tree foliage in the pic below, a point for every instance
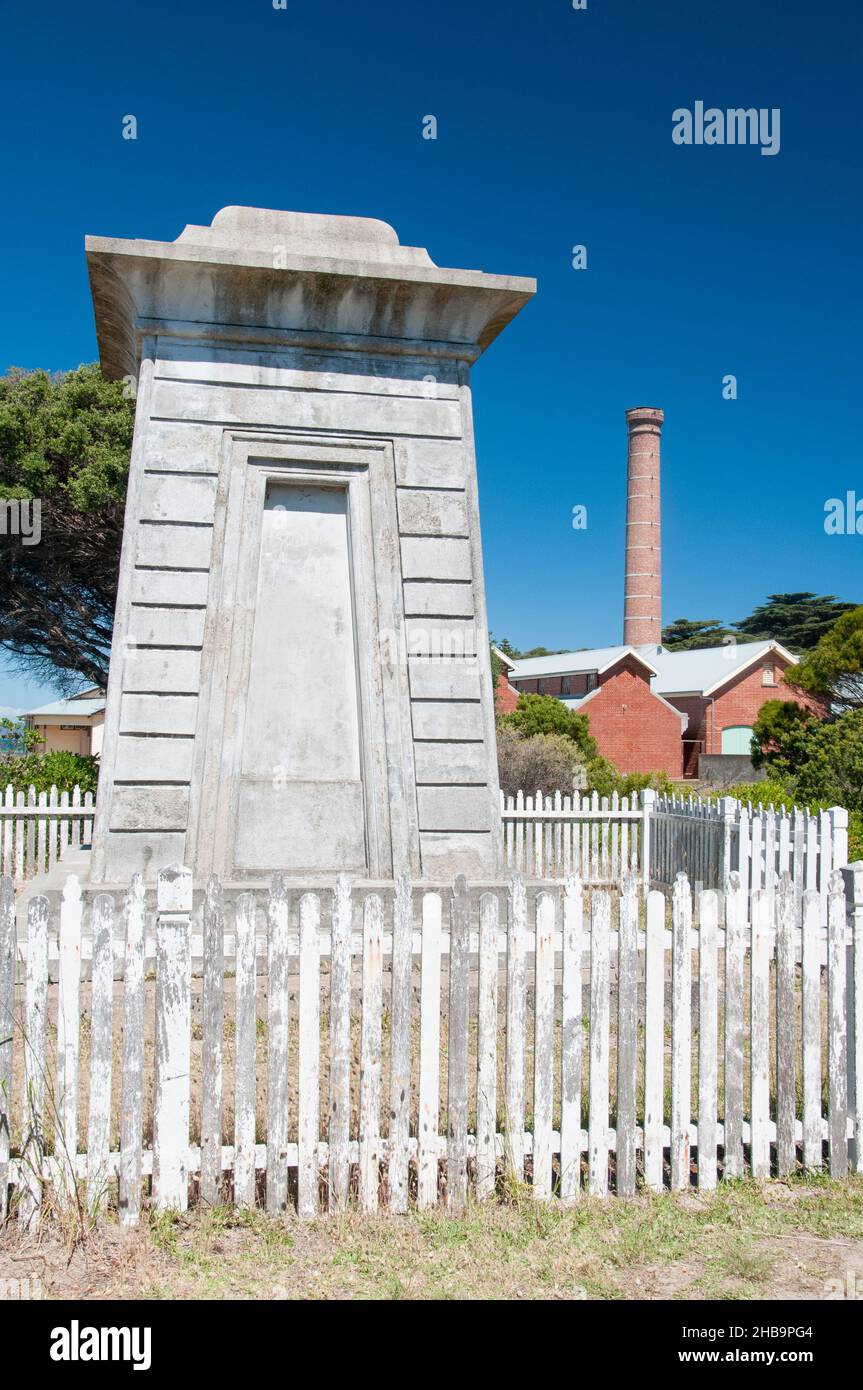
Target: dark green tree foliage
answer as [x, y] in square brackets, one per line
[817, 762]
[66, 440]
[682, 635]
[780, 737]
[545, 714]
[503, 644]
[834, 669]
[833, 769]
[798, 621]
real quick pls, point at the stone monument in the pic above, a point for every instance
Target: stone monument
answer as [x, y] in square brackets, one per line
[299, 677]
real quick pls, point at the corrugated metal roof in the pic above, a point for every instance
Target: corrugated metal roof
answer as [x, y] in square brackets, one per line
[574, 663]
[703, 668]
[71, 708]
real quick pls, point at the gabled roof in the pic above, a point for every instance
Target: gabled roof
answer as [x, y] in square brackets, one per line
[704, 670]
[592, 660]
[71, 709]
[502, 657]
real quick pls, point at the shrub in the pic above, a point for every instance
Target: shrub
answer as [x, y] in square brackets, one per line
[545, 714]
[544, 763]
[62, 770]
[603, 778]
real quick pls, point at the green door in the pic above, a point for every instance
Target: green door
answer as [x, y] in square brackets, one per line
[737, 739]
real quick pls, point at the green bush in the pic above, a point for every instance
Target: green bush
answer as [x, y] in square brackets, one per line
[544, 763]
[604, 779]
[62, 770]
[545, 714]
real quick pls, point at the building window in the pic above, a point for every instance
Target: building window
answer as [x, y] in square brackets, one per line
[565, 685]
[590, 681]
[768, 676]
[540, 687]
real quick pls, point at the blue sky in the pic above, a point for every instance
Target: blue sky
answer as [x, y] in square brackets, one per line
[554, 130]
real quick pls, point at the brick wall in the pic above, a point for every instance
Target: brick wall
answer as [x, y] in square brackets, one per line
[738, 703]
[632, 726]
[505, 697]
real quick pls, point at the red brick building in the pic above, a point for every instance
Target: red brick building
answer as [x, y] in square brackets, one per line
[634, 727]
[505, 695]
[722, 690]
[653, 710]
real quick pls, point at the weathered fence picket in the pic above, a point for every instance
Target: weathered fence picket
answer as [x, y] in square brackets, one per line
[370, 1052]
[244, 1053]
[101, 1050]
[308, 1122]
[654, 1040]
[543, 1046]
[735, 953]
[33, 1090]
[509, 938]
[837, 1042]
[340, 1047]
[173, 1023]
[212, 1034]
[708, 1039]
[597, 1124]
[486, 1083]
[627, 1036]
[516, 989]
[132, 1084]
[571, 1040]
[400, 1045]
[457, 1047]
[7, 1008]
[429, 1099]
[681, 1032]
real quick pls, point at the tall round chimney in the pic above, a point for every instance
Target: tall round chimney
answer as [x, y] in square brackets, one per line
[642, 604]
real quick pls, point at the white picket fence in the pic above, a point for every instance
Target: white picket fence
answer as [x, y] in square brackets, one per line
[485, 1006]
[598, 838]
[37, 828]
[552, 836]
[658, 837]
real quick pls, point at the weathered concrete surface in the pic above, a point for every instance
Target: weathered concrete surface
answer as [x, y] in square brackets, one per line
[299, 678]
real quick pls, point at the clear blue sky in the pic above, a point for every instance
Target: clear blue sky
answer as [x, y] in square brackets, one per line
[554, 129]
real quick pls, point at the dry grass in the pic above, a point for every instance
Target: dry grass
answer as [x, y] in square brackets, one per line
[780, 1240]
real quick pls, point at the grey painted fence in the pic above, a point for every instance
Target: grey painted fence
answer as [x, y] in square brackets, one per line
[708, 839]
[591, 1013]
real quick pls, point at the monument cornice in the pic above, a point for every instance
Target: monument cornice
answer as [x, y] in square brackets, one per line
[260, 337]
[251, 274]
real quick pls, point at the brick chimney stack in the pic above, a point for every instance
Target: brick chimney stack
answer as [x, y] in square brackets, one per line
[642, 606]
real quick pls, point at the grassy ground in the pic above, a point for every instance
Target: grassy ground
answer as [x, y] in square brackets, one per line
[778, 1240]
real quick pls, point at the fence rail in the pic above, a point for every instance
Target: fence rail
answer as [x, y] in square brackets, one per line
[423, 1070]
[37, 828]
